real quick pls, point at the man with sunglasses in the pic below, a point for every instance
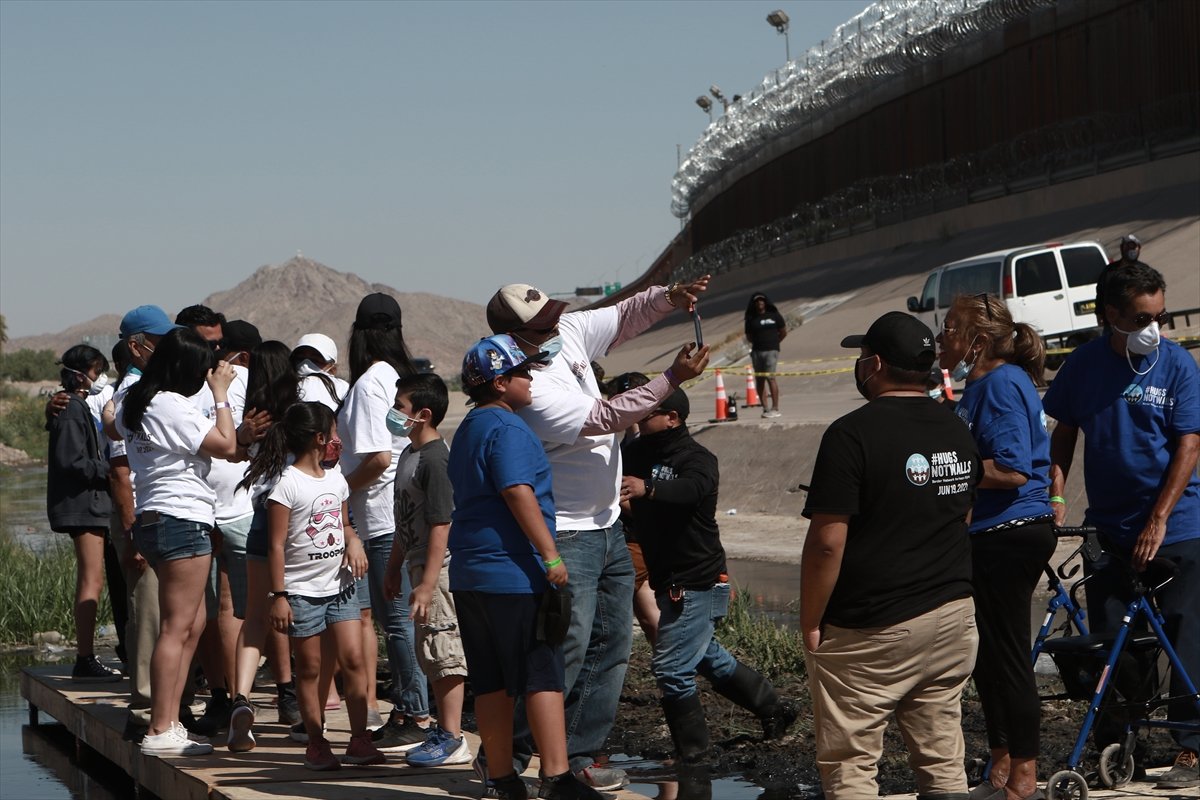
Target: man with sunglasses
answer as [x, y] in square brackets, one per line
[577, 427]
[1136, 398]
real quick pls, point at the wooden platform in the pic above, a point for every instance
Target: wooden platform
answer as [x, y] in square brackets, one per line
[95, 715]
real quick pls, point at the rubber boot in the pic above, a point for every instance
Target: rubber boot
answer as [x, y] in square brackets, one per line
[755, 693]
[689, 730]
[694, 783]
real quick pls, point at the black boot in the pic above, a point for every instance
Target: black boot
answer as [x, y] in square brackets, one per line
[755, 693]
[689, 730]
[694, 783]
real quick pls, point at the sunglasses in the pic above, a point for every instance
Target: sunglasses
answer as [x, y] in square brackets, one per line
[1145, 318]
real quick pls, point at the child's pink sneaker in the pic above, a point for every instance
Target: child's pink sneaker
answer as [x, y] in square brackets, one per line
[362, 750]
[319, 756]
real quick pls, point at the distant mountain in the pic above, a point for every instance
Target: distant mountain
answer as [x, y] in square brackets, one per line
[303, 296]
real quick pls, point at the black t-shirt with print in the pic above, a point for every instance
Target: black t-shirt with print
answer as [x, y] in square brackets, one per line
[904, 469]
[763, 330]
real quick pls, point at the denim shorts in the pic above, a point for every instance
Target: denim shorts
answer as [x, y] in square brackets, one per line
[161, 537]
[312, 615]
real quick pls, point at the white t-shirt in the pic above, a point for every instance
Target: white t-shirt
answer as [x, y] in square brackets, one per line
[362, 426]
[97, 402]
[586, 469]
[172, 477]
[316, 537]
[314, 390]
[117, 449]
[232, 503]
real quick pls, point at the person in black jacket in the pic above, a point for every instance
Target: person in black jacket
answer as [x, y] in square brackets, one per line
[670, 484]
[765, 330]
[77, 499]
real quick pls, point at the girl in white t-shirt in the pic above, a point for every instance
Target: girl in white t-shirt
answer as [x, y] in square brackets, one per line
[169, 443]
[313, 559]
[315, 362]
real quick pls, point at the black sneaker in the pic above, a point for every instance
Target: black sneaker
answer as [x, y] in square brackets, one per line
[396, 737]
[286, 702]
[510, 787]
[215, 717]
[1183, 774]
[134, 731]
[88, 669]
[566, 787]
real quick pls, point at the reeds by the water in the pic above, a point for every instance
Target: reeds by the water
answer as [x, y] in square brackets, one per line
[37, 591]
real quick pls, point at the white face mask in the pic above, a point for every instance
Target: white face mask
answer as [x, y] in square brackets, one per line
[99, 384]
[1143, 342]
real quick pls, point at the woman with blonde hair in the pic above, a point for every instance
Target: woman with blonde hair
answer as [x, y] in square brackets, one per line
[1012, 534]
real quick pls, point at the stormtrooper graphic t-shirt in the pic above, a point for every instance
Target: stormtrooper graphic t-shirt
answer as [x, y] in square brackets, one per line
[316, 539]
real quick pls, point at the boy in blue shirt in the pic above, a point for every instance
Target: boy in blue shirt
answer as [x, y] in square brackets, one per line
[503, 560]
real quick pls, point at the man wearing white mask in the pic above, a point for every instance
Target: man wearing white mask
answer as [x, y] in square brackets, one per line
[1136, 397]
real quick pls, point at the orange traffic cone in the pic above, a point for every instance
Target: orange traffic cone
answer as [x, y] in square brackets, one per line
[947, 385]
[751, 390]
[722, 400]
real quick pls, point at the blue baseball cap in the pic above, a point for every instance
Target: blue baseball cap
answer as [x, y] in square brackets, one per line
[493, 356]
[146, 319]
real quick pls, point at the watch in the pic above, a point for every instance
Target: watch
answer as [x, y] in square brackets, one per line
[284, 593]
[649, 487]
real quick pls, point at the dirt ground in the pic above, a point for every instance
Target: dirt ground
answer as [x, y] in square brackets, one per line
[782, 767]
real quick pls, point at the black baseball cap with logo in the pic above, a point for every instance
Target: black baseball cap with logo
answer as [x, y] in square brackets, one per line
[900, 339]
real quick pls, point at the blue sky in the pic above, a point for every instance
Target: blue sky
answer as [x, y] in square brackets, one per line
[158, 152]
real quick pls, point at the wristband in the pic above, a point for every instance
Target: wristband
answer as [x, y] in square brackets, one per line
[1059, 500]
[222, 404]
[554, 563]
[669, 374]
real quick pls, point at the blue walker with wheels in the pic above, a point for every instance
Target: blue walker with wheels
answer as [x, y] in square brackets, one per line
[1097, 656]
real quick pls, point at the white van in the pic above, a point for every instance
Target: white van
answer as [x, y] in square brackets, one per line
[1049, 286]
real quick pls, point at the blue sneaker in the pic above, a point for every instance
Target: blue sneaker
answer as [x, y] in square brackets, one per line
[439, 748]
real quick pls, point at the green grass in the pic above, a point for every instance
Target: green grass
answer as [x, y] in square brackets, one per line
[23, 422]
[750, 635]
[37, 591]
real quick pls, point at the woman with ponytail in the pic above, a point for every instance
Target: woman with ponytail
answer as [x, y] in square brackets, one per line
[169, 443]
[271, 386]
[1012, 535]
[372, 443]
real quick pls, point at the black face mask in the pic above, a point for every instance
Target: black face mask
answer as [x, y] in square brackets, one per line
[861, 383]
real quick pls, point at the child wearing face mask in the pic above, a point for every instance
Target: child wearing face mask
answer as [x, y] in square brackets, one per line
[77, 499]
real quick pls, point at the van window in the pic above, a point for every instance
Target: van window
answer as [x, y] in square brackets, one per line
[1036, 274]
[1083, 265]
[969, 279]
[927, 292]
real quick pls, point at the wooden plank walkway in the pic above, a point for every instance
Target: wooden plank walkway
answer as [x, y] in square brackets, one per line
[95, 715]
[274, 770]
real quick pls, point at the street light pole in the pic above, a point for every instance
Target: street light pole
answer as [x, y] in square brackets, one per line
[779, 21]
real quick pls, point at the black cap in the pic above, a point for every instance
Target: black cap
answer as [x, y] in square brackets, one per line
[239, 335]
[377, 311]
[676, 401]
[900, 339]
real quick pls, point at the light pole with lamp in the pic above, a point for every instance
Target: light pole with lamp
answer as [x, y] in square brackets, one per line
[705, 106]
[779, 21]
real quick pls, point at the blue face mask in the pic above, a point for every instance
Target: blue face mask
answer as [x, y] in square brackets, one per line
[399, 423]
[553, 346]
[962, 369]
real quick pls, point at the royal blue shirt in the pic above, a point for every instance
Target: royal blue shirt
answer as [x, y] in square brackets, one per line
[494, 449]
[1131, 426]
[1005, 416]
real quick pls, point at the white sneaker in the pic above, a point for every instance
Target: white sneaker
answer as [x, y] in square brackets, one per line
[171, 743]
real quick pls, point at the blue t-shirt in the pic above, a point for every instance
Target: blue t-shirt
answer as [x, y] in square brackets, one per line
[493, 450]
[1131, 426]
[1005, 416]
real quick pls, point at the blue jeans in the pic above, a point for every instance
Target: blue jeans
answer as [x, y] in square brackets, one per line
[685, 643]
[1108, 594]
[596, 652]
[409, 692]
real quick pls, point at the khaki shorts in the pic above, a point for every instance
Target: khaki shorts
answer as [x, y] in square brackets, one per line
[439, 644]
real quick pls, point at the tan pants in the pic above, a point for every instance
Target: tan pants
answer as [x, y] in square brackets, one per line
[141, 630]
[915, 670]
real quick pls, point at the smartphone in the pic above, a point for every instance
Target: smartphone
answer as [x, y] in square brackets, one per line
[696, 321]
